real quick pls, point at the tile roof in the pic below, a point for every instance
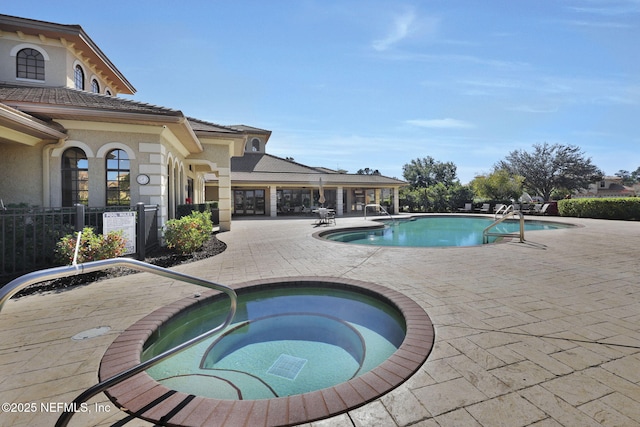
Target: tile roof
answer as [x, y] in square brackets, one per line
[66, 97]
[203, 126]
[262, 162]
[250, 129]
[266, 168]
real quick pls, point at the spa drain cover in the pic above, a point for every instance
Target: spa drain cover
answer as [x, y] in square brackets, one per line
[287, 366]
[91, 333]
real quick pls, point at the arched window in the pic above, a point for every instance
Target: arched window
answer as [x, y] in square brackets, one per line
[75, 177]
[255, 144]
[118, 178]
[95, 87]
[30, 64]
[107, 92]
[79, 77]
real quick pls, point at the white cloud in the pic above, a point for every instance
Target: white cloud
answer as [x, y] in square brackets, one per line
[446, 123]
[604, 25]
[609, 8]
[534, 109]
[402, 27]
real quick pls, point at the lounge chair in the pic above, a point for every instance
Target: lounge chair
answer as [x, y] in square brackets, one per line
[543, 209]
[485, 208]
[468, 207]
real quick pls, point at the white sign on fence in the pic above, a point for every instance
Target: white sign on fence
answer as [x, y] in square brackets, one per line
[121, 221]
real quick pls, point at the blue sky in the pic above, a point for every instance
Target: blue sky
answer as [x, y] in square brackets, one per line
[352, 84]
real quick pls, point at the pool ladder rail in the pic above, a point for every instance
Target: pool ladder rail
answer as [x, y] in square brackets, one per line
[384, 211]
[507, 212]
[11, 288]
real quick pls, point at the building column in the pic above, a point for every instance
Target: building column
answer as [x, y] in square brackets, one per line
[339, 201]
[273, 201]
[396, 200]
[224, 198]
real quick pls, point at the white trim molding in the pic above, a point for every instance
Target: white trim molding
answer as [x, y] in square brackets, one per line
[102, 151]
[57, 152]
[19, 47]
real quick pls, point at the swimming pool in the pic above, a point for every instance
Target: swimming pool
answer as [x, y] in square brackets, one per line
[434, 231]
[333, 344]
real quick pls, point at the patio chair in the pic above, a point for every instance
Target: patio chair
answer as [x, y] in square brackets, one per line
[331, 216]
[325, 216]
[468, 207]
[485, 208]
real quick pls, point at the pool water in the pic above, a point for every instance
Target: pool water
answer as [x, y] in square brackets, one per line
[282, 342]
[436, 231]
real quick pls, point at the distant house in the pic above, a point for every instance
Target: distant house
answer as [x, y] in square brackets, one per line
[67, 137]
[609, 186]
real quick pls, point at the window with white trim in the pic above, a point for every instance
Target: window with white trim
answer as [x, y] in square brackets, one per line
[75, 177]
[118, 178]
[30, 64]
[78, 77]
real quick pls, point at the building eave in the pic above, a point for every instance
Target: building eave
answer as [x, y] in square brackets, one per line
[22, 128]
[95, 114]
[173, 120]
[71, 36]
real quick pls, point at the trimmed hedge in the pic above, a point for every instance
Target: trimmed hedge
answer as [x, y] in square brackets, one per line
[627, 208]
[185, 210]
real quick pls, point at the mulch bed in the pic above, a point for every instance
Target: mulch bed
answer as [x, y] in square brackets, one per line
[162, 257]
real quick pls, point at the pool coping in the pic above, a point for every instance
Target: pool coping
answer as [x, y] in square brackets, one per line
[377, 224]
[143, 397]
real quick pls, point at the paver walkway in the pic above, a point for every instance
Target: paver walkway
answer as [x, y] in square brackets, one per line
[543, 333]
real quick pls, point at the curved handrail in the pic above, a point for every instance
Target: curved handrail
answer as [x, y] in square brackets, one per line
[504, 209]
[393, 220]
[486, 234]
[11, 288]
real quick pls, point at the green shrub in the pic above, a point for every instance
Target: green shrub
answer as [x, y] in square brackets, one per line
[627, 208]
[92, 246]
[189, 233]
[185, 210]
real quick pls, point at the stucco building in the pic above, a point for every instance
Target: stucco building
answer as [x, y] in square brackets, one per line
[264, 184]
[608, 186]
[66, 137]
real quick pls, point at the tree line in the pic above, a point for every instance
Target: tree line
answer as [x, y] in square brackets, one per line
[550, 171]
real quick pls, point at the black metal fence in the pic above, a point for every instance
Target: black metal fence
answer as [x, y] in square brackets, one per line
[28, 236]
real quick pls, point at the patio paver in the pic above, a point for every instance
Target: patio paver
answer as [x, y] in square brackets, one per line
[549, 328]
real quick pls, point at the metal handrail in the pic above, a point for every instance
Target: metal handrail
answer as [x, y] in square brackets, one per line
[486, 234]
[11, 288]
[504, 209]
[381, 208]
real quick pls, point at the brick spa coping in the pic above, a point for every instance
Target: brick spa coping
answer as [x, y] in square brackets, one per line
[143, 397]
